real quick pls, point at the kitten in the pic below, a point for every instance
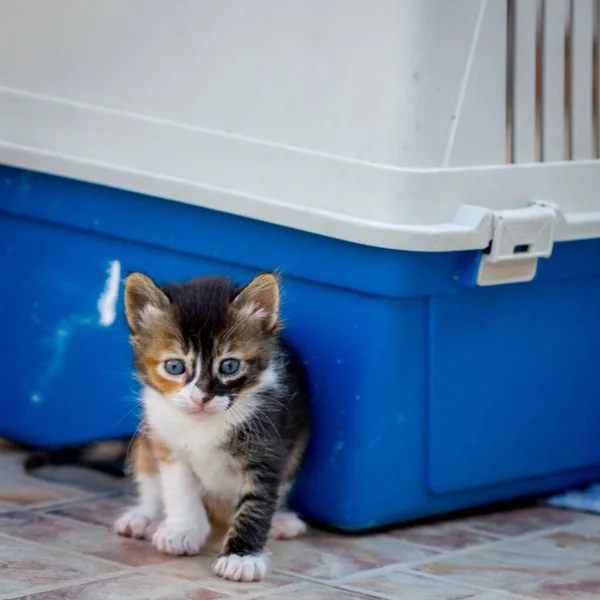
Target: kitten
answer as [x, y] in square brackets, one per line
[225, 418]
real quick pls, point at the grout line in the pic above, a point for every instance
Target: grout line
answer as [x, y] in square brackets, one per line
[415, 563]
[73, 521]
[210, 582]
[409, 565]
[473, 529]
[71, 502]
[380, 596]
[474, 586]
[444, 551]
[444, 580]
[42, 512]
[301, 577]
[323, 584]
[227, 595]
[484, 547]
[40, 505]
[373, 573]
[62, 550]
[347, 583]
[335, 583]
[60, 585]
[290, 588]
[299, 581]
[146, 570]
[205, 585]
[51, 504]
[362, 592]
[365, 593]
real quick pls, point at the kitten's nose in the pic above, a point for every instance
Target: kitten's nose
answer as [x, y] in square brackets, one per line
[198, 397]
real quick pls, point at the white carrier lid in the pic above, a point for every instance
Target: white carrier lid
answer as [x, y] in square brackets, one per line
[404, 124]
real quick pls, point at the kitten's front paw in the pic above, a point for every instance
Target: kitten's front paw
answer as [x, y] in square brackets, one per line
[134, 523]
[179, 540]
[287, 526]
[242, 568]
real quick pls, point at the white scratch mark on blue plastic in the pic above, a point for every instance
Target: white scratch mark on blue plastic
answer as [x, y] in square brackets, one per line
[58, 341]
[373, 443]
[339, 446]
[65, 328]
[24, 182]
[64, 331]
[107, 303]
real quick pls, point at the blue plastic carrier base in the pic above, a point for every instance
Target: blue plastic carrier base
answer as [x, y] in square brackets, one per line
[430, 395]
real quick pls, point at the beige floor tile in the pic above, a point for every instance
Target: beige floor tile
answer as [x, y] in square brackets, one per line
[23, 566]
[103, 511]
[57, 533]
[444, 536]
[199, 569]
[589, 526]
[501, 569]
[77, 537]
[327, 557]
[583, 584]
[314, 592]
[523, 521]
[402, 585]
[134, 586]
[493, 596]
[19, 489]
[566, 543]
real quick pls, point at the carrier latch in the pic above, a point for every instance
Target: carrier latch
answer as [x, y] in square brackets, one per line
[520, 237]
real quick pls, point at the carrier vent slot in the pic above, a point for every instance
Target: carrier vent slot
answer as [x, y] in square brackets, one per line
[552, 80]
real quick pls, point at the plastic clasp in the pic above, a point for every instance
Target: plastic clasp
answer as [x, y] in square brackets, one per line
[520, 237]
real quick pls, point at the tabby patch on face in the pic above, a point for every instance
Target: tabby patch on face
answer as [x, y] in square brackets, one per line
[204, 345]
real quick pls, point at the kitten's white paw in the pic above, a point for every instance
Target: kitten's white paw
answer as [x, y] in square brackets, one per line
[242, 568]
[179, 540]
[134, 523]
[287, 526]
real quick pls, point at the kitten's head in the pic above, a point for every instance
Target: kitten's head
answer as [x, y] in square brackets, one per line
[205, 345]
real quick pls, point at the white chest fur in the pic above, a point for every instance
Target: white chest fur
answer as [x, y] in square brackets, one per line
[197, 441]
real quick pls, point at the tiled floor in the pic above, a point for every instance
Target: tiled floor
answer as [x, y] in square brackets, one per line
[56, 542]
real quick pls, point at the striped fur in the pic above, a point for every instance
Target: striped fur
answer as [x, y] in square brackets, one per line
[216, 449]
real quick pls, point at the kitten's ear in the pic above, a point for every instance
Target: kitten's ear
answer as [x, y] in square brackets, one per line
[260, 298]
[142, 298]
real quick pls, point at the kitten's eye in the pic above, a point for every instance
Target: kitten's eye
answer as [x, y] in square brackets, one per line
[229, 366]
[174, 367]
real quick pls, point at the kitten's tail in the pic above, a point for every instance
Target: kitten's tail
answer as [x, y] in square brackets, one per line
[106, 456]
